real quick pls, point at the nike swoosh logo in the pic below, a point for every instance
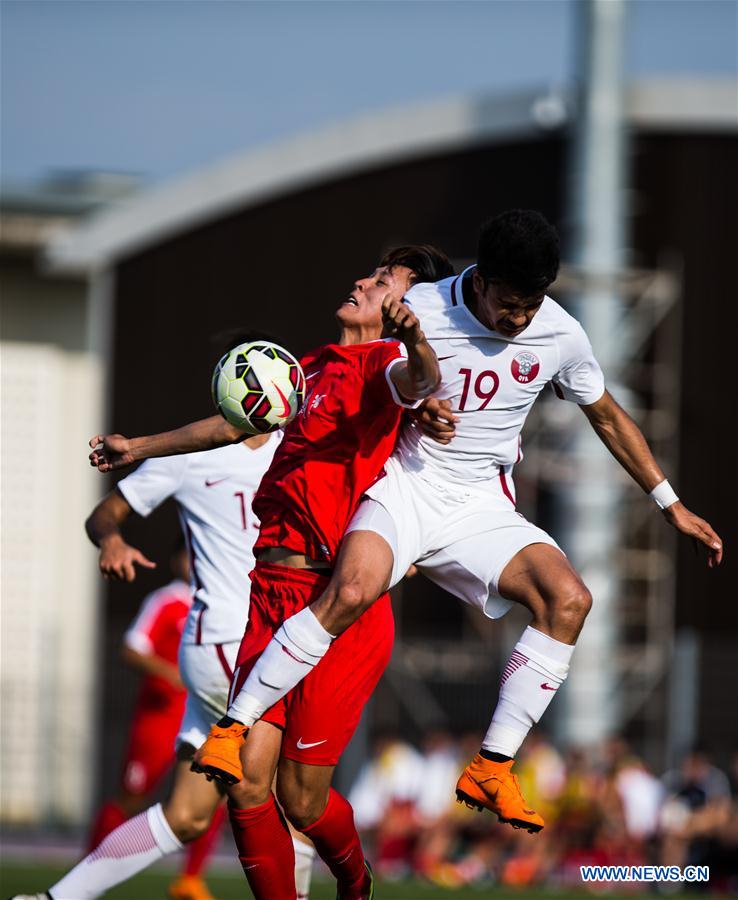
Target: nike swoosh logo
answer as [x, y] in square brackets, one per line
[286, 410]
[209, 483]
[311, 375]
[441, 358]
[547, 687]
[301, 746]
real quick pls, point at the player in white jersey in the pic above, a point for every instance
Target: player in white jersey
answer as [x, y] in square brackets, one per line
[213, 491]
[450, 509]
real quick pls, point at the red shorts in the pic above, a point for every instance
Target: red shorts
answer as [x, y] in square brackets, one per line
[320, 715]
[150, 751]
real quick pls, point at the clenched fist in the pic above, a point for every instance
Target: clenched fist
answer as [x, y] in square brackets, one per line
[401, 322]
[110, 451]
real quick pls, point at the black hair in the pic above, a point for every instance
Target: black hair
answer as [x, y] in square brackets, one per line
[519, 248]
[232, 337]
[427, 262]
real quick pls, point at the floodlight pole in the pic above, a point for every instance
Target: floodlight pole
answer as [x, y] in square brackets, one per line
[588, 509]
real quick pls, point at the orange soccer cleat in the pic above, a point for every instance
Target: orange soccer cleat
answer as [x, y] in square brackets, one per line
[485, 784]
[189, 887]
[219, 758]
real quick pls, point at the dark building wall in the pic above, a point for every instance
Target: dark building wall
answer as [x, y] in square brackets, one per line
[685, 192]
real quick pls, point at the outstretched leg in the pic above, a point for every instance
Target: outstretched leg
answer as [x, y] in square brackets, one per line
[362, 574]
[540, 578]
[141, 841]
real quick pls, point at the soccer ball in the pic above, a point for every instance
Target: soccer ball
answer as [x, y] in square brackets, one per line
[258, 387]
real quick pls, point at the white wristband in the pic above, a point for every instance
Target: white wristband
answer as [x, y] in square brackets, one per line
[663, 495]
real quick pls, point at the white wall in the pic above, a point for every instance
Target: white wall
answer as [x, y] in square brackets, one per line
[50, 405]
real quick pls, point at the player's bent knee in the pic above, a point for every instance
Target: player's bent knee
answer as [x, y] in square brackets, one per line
[353, 598]
[187, 824]
[249, 793]
[572, 604]
[302, 808]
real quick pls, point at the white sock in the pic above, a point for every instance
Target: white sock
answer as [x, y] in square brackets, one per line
[294, 651]
[537, 668]
[304, 856]
[133, 846]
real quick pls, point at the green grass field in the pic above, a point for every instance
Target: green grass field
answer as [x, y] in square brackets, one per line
[229, 885]
[225, 886]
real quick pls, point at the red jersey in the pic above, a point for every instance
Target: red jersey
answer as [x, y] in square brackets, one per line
[157, 631]
[333, 450]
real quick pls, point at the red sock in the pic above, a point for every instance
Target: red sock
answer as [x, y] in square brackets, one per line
[109, 817]
[198, 851]
[265, 850]
[337, 842]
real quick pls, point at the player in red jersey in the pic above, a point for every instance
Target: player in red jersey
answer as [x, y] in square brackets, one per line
[150, 646]
[331, 453]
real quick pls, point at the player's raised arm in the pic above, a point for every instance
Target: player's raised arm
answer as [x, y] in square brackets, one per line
[118, 560]
[419, 375]
[114, 451]
[624, 439]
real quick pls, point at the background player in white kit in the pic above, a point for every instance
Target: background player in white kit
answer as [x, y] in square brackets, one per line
[450, 509]
[213, 491]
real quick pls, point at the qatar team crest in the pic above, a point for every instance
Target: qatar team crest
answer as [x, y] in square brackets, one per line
[524, 367]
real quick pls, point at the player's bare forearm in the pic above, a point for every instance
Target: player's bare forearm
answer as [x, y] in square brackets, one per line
[114, 451]
[105, 521]
[420, 376]
[205, 434]
[118, 560]
[624, 439]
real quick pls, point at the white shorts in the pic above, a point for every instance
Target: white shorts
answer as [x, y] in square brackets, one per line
[459, 536]
[206, 670]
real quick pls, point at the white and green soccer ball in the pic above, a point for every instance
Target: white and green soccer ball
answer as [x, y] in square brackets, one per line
[258, 387]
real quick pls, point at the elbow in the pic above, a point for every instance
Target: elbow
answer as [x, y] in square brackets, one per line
[231, 434]
[92, 528]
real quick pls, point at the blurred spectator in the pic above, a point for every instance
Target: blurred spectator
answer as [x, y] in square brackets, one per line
[602, 808]
[696, 811]
[726, 863]
[457, 847]
[641, 795]
[384, 799]
[542, 775]
[441, 765]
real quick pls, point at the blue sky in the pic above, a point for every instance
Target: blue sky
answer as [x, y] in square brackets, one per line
[160, 87]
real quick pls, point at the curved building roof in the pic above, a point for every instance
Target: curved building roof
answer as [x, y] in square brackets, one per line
[365, 143]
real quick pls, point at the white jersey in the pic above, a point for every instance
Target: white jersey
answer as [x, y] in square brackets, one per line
[214, 490]
[492, 382]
